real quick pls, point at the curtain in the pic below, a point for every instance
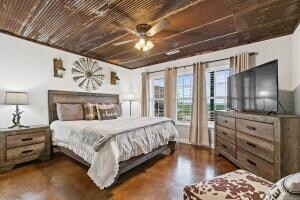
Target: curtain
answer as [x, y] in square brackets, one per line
[199, 123]
[239, 63]
[170, 93]
[145, 94]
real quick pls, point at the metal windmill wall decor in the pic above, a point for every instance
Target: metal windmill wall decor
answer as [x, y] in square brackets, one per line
[87, 74]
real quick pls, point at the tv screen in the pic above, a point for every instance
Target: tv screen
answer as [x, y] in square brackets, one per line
[255, 89]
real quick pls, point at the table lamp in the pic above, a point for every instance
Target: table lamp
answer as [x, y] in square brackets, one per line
[130, 98]
[16, 98]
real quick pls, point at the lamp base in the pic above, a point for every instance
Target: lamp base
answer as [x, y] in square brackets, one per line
[19, 126]
[16, 119]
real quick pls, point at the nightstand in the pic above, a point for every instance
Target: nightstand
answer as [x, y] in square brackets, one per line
[22, 145]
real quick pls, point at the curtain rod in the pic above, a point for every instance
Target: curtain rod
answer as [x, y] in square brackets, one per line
[207, 62]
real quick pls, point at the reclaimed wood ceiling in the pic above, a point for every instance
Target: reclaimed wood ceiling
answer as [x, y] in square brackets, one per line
[84, 26]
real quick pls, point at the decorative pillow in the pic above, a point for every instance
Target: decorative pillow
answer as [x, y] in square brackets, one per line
[119, 109]
[287, 188]
[106, 111]
[90, 111]
[69, 112]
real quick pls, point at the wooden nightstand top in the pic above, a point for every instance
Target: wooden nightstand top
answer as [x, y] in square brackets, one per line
[25, 130]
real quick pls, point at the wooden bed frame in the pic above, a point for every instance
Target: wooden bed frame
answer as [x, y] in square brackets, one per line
[55, 97]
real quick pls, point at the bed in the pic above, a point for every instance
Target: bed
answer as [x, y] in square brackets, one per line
[132, 142]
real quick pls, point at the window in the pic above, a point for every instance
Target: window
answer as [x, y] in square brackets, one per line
[184, 90]
[158, 97]
[216, 83]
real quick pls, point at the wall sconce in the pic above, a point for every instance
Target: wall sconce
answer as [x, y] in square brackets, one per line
[59, 70]
[114, 79]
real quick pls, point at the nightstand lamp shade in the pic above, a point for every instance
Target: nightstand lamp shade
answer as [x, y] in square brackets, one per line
[16, 98]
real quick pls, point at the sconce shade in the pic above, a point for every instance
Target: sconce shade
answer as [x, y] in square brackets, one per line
[16, 98]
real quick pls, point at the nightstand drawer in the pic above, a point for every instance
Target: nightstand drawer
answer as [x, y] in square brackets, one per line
[19, 152]
[25, 139]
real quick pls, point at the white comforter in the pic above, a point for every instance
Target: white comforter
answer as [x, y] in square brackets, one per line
[105, 163]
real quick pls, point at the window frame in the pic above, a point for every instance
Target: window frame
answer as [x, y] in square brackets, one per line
[215, 69]
[187, 73]
[152, 94]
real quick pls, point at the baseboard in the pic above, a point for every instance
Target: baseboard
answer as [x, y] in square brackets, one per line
[185, 141]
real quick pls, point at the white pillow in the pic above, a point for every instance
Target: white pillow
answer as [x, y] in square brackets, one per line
[287, 188]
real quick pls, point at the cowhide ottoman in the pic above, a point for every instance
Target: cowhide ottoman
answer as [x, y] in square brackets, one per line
[239, 185]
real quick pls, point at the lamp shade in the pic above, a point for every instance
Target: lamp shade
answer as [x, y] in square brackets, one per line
[130, 97]
[16, 98]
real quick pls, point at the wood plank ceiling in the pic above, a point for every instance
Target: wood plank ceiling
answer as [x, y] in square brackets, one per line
[84, 26]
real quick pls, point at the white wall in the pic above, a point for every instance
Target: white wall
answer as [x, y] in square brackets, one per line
[278, 48]
[27, 66]
[296, 68]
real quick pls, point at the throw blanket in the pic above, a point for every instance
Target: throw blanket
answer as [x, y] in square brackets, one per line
[114, 140]
[97, 135]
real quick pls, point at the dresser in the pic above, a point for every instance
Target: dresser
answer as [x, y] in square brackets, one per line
[268, 146]
[22, 145]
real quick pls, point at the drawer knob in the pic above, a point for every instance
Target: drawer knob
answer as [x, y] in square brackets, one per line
[26, 139]
[251, 128]
[251, 144]
[27, 151]
[224, 146]
[251, 162]
[224, 133]
[225, 121]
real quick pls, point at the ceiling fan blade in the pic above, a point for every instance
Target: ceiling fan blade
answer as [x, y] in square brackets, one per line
[169, 43]
[160, 25]
[124, 42]
[129, 30]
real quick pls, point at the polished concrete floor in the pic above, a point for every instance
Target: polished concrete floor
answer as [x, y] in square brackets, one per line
[161, 178]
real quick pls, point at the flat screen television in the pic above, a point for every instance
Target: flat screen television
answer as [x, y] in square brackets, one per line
[254, 90]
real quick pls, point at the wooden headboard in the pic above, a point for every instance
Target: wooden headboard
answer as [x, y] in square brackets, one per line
[55, 96]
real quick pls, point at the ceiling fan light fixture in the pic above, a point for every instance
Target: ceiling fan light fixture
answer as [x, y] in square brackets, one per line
[144, 45]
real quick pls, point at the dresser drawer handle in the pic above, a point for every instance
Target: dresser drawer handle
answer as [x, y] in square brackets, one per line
[251, 162]
[224, 133]
[251, 144]
[224, 146]
[26, 139]
[27, 151]
[225, 121]
[251, 128]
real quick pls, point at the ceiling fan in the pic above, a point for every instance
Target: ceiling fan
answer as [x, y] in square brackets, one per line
[145, 34]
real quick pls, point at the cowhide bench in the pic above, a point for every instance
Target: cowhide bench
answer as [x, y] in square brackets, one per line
[239, 184]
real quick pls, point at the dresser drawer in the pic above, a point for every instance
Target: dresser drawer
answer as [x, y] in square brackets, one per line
[258, 129]
[226, 147]
[25, 139]
[19, 152]
[226, 133]
[262, 148]
[228, 122]
[256, 164]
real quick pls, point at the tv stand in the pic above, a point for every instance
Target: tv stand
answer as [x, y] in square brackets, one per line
[265, 145]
